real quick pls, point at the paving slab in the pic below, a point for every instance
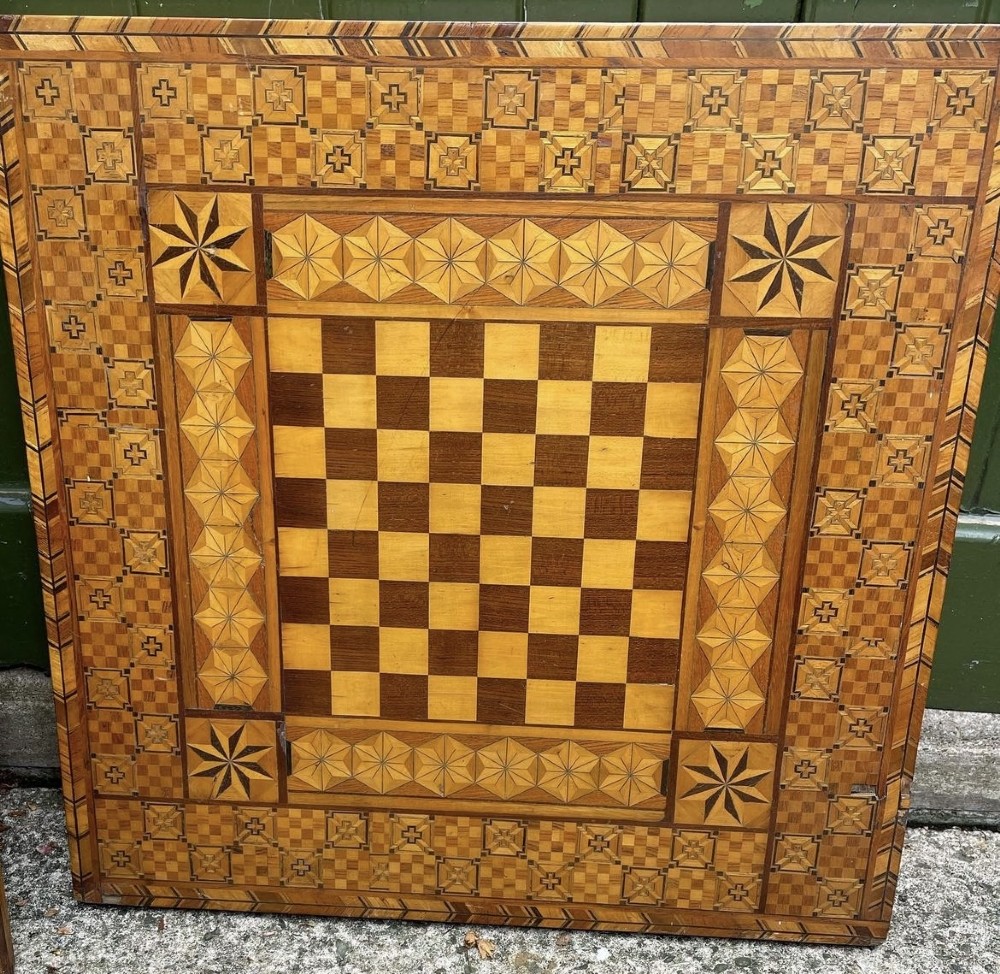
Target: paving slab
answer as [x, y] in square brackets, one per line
[947, 922]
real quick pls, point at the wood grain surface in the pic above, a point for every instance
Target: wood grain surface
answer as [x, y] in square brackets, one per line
[497, 473]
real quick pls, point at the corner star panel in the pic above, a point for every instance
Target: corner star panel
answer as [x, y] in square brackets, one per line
[783, 260]
[201, 248]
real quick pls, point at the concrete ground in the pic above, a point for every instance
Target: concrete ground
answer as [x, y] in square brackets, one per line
[947, 920]
[947, 915]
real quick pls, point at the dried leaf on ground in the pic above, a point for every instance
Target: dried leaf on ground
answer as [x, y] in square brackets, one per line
[486, 948]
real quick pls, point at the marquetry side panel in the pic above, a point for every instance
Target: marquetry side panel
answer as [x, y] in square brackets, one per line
[875, 460]
[35, 393]
[218, 442]
[974, 319]
[515, 864]
[732, 602]
[106, 398]
[35, 396]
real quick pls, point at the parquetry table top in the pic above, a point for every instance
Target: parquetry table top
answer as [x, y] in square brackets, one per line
[497, 473]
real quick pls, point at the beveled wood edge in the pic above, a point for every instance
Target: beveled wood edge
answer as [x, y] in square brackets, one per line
[41, 35]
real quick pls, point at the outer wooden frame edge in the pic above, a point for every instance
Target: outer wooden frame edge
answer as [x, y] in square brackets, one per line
[628, 43]
[973, 326]
[6, 946]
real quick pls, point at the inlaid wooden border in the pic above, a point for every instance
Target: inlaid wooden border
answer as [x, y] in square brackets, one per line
[142, 39]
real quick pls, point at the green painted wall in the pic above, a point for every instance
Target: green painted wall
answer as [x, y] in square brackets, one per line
[967, 666]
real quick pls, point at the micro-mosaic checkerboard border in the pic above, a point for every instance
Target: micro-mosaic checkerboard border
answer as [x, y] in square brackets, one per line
[791, 820]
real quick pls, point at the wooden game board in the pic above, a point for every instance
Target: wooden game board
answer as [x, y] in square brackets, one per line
[497, 473]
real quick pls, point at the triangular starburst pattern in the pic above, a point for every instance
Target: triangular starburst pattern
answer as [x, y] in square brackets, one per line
[217, 426]
[747, 509]
[308, 256]
[740, 575]
[319, 761]
[222, 493]
[506, 768]
[378, 258]
[631, 774]
[762, 371]
[382, 763]
[212, 356]
[753, 443]
[230, 617]
[225, 555]
[728, 698]
[734, 637]
[444, 766]
[671, 264]
[232, 676]
[450, 261]
[596, 263]
[520, 262]
[783, 260]
[523, 261]
[567, 771]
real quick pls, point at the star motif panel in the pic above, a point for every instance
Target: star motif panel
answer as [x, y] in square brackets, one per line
[506, 472]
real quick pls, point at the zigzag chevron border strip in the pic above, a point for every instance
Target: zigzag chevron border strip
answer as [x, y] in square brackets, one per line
[366, 40]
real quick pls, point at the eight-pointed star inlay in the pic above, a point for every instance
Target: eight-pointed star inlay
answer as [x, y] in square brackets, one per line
[234, 761]
[202, 248]
[783, 260]
[724, 782]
